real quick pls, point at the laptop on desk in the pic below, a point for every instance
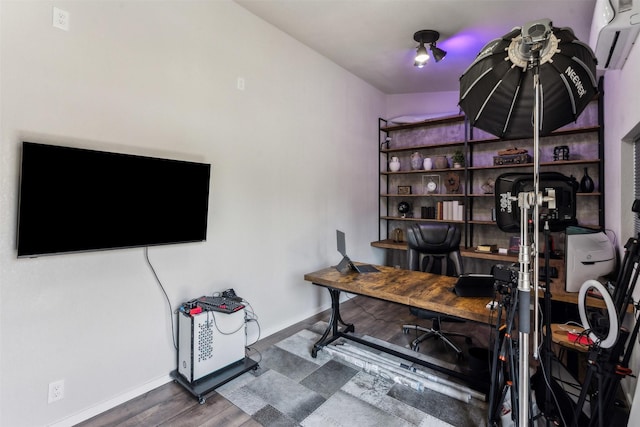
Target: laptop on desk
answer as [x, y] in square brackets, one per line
[475, 285]
[346, 263]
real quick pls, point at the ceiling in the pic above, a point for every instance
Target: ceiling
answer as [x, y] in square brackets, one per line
[373, 39]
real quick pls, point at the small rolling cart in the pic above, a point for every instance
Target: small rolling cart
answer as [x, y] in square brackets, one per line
[211, 344]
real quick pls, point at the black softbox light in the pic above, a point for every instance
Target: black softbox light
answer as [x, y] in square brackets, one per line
[560, 212]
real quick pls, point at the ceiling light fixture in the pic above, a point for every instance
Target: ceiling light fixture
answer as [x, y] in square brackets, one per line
[427, 37]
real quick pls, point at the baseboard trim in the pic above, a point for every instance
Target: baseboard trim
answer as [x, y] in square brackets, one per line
[125, 397]
[112, 403]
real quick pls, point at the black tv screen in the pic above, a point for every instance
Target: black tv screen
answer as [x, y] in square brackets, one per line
[74, 199]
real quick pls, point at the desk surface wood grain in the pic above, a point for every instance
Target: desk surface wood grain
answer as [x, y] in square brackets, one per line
[411, 288]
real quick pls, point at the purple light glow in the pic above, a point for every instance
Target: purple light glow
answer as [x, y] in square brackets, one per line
[465, 45]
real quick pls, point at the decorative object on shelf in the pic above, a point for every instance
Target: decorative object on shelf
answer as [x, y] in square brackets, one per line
[431, 184]
[514, 245]
[428, 212]
[458, 159]
[387, 142]
[397, 235]
[586, 183]
[427, 163]
[452, 183]
[440, 162]
[511, 156]
[404, 208]
[488, 186]
[489, 248]
[404, 189]
[417, 159]
[394, 164]
[560, 152]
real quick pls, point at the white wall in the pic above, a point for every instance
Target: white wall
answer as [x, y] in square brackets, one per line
[294, 157]
[435, 103]
[622, 114]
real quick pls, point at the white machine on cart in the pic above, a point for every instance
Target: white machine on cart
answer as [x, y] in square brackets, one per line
[211, 344]
[209, 341]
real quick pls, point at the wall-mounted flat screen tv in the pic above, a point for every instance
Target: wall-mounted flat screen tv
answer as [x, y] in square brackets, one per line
[74, 199]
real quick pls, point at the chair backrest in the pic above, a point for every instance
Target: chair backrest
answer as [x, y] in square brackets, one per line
[429, 243]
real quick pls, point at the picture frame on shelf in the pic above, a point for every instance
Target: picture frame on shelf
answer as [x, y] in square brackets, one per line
[514, 245]
[404, 189]
[431, 184]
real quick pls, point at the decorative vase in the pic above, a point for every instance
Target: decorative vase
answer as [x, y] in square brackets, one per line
[394, 164]
[416, 160]
[427, 163]
[586, 183]
[441, 162]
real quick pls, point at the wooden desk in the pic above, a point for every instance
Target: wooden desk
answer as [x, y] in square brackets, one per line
[411, 288]
[557, 284]
[559, 336]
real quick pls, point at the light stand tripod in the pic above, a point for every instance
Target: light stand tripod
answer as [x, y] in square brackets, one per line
[527, 201]
[497, 95]
[528, 253]
[504, 368]
[610, 364]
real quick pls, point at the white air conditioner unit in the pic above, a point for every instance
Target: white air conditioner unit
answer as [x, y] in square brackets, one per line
[614, 29]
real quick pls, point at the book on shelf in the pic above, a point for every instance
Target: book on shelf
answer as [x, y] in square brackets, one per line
[458, 214]
[487, 248]
[448, 210]
[452, 210]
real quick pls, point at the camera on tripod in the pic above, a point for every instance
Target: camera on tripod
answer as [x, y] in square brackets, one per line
[506, 276]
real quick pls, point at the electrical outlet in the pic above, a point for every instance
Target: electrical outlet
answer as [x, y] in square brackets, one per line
[240, 83]
[61, 19]
[56, 391]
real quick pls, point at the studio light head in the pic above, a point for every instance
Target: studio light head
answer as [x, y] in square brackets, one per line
[559, 210]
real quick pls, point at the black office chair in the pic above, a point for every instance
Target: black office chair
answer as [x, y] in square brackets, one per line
[434, 248]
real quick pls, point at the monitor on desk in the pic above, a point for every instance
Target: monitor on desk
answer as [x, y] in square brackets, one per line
[345, 263]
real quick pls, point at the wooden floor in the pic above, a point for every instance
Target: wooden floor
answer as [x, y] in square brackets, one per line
[171, 405]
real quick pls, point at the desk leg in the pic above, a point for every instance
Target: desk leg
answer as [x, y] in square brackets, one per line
[332, 327]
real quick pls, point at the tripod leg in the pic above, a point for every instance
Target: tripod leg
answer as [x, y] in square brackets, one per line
[513, 368]
[497, 376]
[600, 408]
[583, 394]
